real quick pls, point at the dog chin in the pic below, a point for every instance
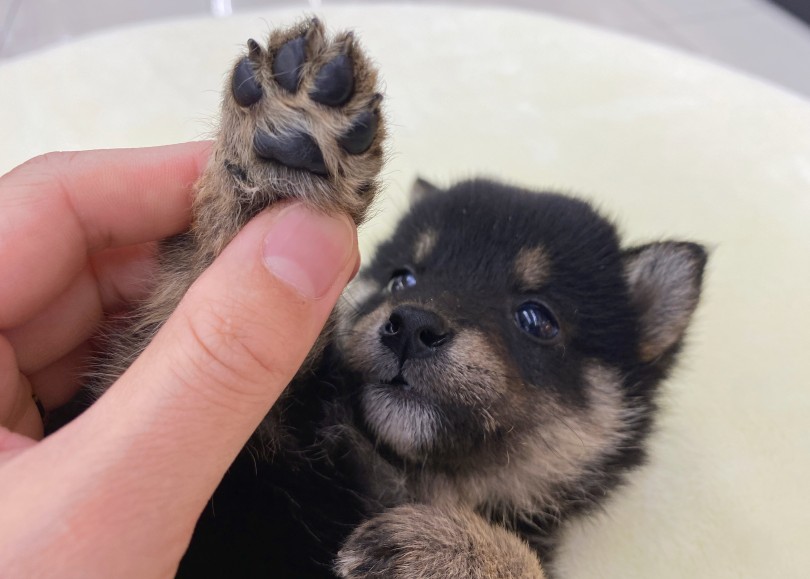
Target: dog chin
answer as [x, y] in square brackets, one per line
[401, 417]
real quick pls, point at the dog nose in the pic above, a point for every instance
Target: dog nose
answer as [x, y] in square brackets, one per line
[412, 332]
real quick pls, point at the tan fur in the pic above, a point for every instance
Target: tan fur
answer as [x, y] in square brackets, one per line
[424, 245]
[359, 341]
[356, 293]
[429, 542]
[532, 268]
[559, 449]
[474, 374]
[666, 299]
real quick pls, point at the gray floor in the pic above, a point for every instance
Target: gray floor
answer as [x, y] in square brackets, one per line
[750, 35]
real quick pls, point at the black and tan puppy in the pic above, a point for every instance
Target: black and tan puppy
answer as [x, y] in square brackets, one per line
[507, 353]
[490, 374]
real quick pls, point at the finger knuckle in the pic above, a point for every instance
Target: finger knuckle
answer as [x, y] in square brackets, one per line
[222, 349]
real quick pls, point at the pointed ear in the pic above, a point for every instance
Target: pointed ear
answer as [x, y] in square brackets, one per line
[665, 281]
[421, 188]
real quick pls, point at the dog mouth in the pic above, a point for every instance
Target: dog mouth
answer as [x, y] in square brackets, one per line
[400, 389]
[398, 416]
[398, 381]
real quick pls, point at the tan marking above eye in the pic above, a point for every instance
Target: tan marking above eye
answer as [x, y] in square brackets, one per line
[532, 267]
[424, 244]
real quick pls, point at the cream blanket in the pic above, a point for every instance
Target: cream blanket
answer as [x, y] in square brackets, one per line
[671, 146]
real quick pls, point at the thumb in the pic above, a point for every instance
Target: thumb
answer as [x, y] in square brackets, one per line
[154, 447]
[238, 337]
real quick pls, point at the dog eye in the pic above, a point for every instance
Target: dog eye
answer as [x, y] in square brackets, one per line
[401, 279]
[537, 320]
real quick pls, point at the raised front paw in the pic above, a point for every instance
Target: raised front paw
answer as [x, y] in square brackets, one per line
[425, 542]
[300, 119]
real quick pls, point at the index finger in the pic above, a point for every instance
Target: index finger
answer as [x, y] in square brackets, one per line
[58, 208]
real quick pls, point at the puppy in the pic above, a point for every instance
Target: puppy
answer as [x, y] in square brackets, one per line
[506, 354]
[490, 374]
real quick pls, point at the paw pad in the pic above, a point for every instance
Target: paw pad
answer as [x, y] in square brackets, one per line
[302, 119]
[298, 151]
[288, 62]
[246, 90]
[360, 135]
[334, 82]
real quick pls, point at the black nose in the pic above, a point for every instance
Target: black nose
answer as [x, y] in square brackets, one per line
[412, 332]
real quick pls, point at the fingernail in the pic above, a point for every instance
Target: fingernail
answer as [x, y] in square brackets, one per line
[308, 250]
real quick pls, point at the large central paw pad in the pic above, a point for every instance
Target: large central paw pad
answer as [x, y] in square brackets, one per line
[312, 101]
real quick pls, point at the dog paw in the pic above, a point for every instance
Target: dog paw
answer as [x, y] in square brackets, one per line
[421, 541]
[300, 119]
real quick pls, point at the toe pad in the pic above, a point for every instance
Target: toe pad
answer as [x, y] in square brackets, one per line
[334, 83]
[246, 90]
[361, 134]
[287, 63]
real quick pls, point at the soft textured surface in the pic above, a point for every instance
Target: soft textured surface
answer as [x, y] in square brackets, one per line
[671, 146]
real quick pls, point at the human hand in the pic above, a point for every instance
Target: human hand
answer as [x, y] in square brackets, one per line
[117, 492]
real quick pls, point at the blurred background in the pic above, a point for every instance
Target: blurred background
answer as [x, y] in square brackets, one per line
[766, 38]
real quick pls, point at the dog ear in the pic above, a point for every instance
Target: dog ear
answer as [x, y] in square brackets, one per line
[665, 280]
[422, 188]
